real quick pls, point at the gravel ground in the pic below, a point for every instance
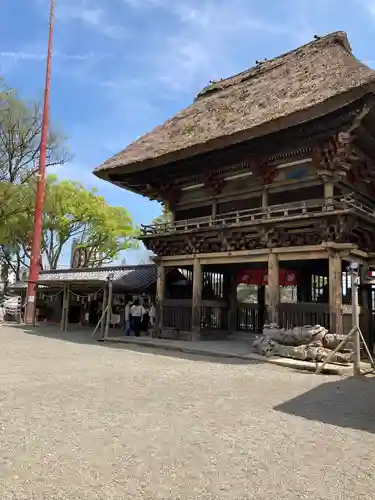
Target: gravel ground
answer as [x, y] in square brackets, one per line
[84, 420]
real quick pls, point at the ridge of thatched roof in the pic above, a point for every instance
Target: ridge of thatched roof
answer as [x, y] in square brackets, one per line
[303, 84]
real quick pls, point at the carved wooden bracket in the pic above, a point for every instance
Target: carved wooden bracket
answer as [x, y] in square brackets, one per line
[212, 183]
[265, 173]
[168, 194]
[337, 156]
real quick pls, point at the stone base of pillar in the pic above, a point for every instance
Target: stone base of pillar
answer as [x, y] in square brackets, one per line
[196, 336]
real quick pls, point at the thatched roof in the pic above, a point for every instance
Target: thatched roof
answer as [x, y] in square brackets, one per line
[305, 83]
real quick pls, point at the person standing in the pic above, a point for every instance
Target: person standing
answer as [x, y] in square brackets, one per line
[128, 318]
[145, 317]
[152, 315]
[136, 319]
[2, 314]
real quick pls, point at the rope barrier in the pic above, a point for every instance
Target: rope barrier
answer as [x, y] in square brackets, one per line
[87, 295]
[55, 294]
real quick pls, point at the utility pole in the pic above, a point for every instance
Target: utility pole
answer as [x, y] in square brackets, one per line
[41, 185]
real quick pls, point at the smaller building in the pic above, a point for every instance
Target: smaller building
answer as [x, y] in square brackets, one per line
[77, 295]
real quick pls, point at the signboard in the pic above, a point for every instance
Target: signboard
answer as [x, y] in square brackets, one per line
[260, 277]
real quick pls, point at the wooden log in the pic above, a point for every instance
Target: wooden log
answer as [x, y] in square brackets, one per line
[197, 300]
[273, 289]
[335, 300]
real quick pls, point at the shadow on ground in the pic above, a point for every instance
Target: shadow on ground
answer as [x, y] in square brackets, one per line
[348, 403]
[84, 336]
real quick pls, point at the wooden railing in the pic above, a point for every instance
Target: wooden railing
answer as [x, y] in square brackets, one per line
[273, 213]
[251, 317]
[214, 316]
[177, 317]
[291, 315]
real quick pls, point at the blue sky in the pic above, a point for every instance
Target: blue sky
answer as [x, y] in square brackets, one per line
[122, 67]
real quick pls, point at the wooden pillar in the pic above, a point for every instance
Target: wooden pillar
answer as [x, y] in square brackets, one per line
[160, 292]
[232, 300]
[63, 309]
[328, 191]
[261, 299]
[214, 209]
[67, 308]
[365, 301]
[109, 310]
[273, 301]
[335, 300]
[265, 198]
[104, 314]
[197, 300]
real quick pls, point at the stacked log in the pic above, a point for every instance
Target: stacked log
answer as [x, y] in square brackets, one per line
[306, 343]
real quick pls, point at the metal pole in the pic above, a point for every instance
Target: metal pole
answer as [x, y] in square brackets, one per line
[41, 184]
[109, 310]
[355, 321]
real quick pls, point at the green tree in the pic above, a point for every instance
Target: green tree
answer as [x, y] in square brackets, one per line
[20, 130]
[70, 212]
[165, 217]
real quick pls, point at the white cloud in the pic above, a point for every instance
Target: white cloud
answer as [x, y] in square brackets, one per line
[86, 12]
[369, 5]
[32, 56]
[201, 44]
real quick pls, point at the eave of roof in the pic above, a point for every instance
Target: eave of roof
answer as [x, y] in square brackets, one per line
[303, 84]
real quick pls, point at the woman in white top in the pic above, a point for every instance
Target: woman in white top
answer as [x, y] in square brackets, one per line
[136, 313]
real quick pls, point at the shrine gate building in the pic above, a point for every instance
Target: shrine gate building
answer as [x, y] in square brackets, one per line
[270, 179]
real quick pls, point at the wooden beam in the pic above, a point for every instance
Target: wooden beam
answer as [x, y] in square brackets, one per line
[250, 192]
[308, 252]
[197, 300]
[335, 300]
[160, 293]
[273, 289]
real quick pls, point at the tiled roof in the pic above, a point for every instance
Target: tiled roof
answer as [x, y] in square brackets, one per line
[129, 278]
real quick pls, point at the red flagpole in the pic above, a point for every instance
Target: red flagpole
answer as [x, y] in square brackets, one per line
[41, 185]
